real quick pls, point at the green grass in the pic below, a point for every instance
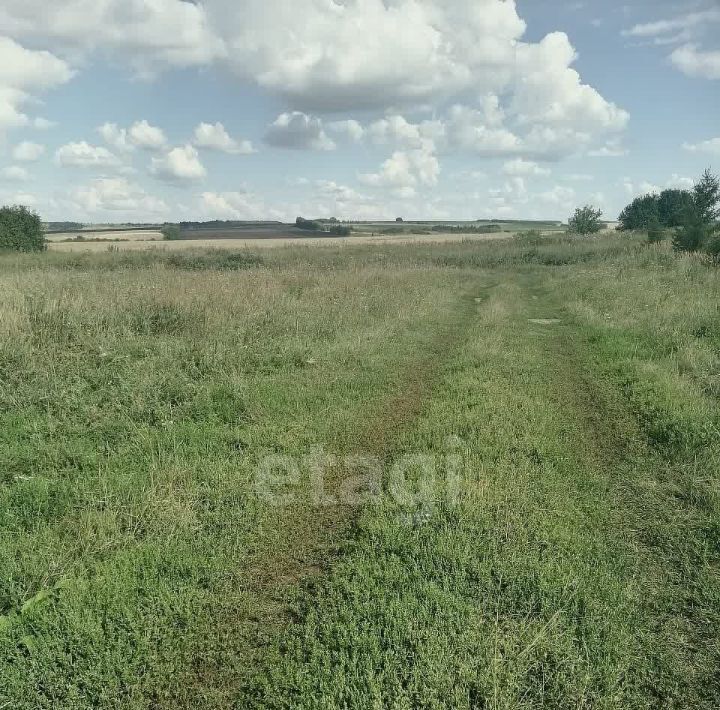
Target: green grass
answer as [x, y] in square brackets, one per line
[569, 386]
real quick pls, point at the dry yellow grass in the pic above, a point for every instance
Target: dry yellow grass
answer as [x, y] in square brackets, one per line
[131, 235]
[135, 245]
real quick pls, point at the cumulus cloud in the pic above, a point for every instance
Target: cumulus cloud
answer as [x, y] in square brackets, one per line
[151, 35]
[215, 137]
[179, 165]
[28, 152]
[520, 167]
[413, 52]
[297, 130]
[116, 195]
[612, 149]
[559, 195]
[115, 136]
[405, 169]
[142, 135]
[709, 146]
[349, 128]
[23, 74]
[84, 155]
[549, 92]
[139, 135]
[14, 173]
[694, 62]
[237, 205]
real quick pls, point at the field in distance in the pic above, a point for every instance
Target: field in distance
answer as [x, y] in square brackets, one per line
[230, 235]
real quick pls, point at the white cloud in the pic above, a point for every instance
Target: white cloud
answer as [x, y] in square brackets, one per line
[297, 130]
[612, 149]
[709, 146]
[115, 136]
[675, 25]
[639, 189]
[23, 74]
[117, 195]
[150, 35]
[694, 62]
[520, 167]
[683, 183]
[42, 124]
[215, 137]
[350, 128]
[409, 51]
[179, 165]
[142, 135]
[28, 152]
[405, 169]
[22, 198]
[237, 205]
[549, 92]
[84, 155]
[15, 173]
[469, 129]
[560, 196]
[412, 52]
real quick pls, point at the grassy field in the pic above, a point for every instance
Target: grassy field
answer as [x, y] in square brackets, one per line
[464, 475]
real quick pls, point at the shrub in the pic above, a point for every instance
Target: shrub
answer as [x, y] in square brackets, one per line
[712, 248]
[586, 220]
[308, 224]
[656, 233]
[21, 230]
[533, 238]
[171, 232]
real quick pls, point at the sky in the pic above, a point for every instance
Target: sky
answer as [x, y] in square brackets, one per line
[170, 110]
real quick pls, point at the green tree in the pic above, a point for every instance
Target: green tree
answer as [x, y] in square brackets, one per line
[171, 232]
[655, 231]
[586, 220]
[21, 229]
[700, 220]
[706, 197]
[672, 206]
[640, 213]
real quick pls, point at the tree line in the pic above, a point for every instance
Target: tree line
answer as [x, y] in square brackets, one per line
[691, 214]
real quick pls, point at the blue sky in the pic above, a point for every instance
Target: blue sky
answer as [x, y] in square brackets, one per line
[165, 110]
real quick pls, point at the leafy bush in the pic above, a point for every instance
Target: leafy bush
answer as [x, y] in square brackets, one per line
[656, 233]
[171, 232]
[308, 224]
[21, 230]
[586, 220]
[533, 237]
[712, 248]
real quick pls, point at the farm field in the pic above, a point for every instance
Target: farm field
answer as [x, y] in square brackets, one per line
[105, 235]
[474, 474]
[308, 239]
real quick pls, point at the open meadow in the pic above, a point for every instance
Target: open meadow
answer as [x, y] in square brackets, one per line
[474, 474]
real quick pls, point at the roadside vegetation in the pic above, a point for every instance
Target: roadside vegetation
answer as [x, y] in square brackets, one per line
[566, 387]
